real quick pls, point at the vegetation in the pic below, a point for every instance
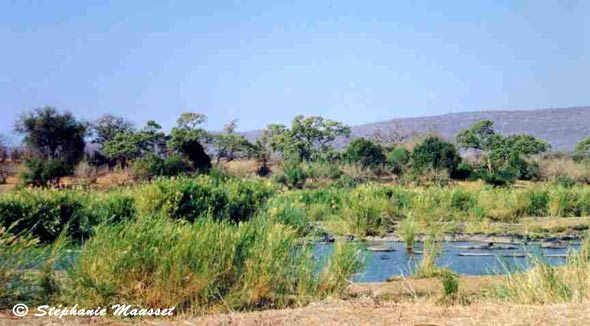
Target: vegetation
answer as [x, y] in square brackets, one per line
[364, 152]
[56, 142]
[237, 240]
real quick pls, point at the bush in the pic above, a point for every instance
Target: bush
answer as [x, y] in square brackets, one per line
[463, 172]
[435, 154]
[42, 173]
[151, 166]
[294, 176]
[364, 152]
[398, 158]
[500, 178]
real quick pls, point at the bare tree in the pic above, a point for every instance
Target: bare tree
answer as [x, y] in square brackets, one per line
[391, 133]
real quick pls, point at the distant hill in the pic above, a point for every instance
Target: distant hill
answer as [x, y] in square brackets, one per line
[562, 128]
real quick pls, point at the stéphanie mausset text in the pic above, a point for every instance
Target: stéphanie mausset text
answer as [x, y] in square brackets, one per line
[114, 310]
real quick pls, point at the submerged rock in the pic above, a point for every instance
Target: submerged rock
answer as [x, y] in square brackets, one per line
[381, 249]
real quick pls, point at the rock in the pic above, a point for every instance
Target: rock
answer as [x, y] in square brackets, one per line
[381, 249]
[349, 237]
[325, 237]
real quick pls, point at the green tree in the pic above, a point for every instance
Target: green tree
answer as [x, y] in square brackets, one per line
[398, 158]
[436, 154]
[108, 126]
[480, 136]
[186, 139]
[229, 144]
[364, 152]
[582, 150]
[308, 138]
[129, 145]
[56, 141]
[123, 147]
[526, 145]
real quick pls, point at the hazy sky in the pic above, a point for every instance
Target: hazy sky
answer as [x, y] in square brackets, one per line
[266, 61]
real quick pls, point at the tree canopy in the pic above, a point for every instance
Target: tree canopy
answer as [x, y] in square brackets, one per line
[307, 139]
[436, 154]
[364, 152]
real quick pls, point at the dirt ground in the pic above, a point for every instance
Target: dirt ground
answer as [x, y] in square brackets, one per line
[368, 312]
[400, 302]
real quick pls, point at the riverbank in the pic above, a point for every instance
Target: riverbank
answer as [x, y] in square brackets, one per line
[539, 229]
[401, 302]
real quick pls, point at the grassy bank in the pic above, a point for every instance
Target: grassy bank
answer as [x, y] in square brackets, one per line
[217, 243]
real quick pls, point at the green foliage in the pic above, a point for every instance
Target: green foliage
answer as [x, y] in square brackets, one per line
[187, 138]
[502, 152]
[398, 158]
[308, 138]
[365, 152]
[526, 145]
[45, 213]
[17, 254]
[108, 126]
[450, 283]
[129, 145]
[53, 136]
[229, 144]
[56, 141]
[435, 154]
[194, 198]
[294, 176]
[205, 265]
[582, 150]
[463, 172]
[42, 173]
[151, 166]
[500, 178]
[407, 230]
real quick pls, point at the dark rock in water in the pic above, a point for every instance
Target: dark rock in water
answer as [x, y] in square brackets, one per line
[489, 246]
[349, 237]
[325, 237]
[384, 257]
[515, 255]
[553, 245]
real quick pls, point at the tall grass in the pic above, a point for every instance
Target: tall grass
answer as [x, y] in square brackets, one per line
[154, 261]
[408, 229]
[545, 283]
[433, 247]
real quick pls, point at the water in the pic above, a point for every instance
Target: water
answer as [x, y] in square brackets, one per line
[379, 266]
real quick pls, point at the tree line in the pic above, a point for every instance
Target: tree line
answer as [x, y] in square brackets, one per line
[56, 142]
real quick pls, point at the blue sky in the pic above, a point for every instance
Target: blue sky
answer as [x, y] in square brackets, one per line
[266, 61]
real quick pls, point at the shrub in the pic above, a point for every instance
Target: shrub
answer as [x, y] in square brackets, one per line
[364, 152]
[433, 153]
[294, 176]
[500, 178]
[42, 173]
[463, 172]
[398, 158]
